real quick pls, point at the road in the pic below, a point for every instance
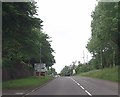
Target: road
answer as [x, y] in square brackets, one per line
[77, 86]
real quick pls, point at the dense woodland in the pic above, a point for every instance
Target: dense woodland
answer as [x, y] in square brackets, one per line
[23, 41]
[104, 44]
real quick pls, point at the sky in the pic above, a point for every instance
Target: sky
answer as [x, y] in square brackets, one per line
[67, 22]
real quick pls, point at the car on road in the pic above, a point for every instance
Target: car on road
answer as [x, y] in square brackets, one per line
[57, 76]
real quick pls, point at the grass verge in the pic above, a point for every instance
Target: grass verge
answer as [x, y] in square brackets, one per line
[25, 83]
[106, 74]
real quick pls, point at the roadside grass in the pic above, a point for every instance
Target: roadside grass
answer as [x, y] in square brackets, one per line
[24, 83]
[106, 74]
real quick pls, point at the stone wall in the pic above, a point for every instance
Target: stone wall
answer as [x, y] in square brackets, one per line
[19, 71]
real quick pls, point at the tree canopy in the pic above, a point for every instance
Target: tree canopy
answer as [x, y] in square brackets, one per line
[103, 44]
[22, 35]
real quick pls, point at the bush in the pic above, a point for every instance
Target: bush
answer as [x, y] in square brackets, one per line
[84, 68]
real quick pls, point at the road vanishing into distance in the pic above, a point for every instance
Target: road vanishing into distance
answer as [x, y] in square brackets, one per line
[75, 85]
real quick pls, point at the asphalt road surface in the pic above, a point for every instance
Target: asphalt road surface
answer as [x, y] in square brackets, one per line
[77, 86]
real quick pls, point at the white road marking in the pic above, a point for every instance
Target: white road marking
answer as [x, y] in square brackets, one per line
[75, 81]
[19, 93]
[32, 90]
[81, 87]
[78, 84]
[88, 92]
[28, 93]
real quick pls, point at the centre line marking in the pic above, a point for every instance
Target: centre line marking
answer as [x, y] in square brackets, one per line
[81, 86]
[78, 84]
[88, 92]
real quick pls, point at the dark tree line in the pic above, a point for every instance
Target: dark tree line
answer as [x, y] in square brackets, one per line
[22, 36]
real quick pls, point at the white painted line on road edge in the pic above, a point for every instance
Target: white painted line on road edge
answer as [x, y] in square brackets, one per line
[19, 93]
[88, 92]
[32, 90]
[28, 93]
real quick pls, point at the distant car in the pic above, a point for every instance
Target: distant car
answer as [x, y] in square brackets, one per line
[57, 76]
[67, 74]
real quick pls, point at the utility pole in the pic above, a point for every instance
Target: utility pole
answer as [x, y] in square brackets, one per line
[40, 61]
[40, 53]
[83, 57]
[101, 59]
[87, 59]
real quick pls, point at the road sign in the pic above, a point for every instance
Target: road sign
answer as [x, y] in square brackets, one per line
[40, 67]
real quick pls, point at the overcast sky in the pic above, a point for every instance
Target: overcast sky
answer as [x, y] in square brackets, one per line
[67, 22]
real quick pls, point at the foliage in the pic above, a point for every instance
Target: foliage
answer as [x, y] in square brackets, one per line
[68, 70]
[22, 36]
[29, 82]
[103, 44]
[84, 68]
[51, 71]
[106, 74]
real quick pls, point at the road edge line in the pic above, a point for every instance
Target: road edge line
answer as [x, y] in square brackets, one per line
[33, 90]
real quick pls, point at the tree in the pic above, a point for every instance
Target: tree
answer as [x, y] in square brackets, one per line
[18, 23]
[103, 44]
[22, 35]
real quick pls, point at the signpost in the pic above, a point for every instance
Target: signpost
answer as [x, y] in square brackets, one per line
[40, 69]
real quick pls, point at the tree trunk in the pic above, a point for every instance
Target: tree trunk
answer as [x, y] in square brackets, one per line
[101, 53]
[113, 57]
